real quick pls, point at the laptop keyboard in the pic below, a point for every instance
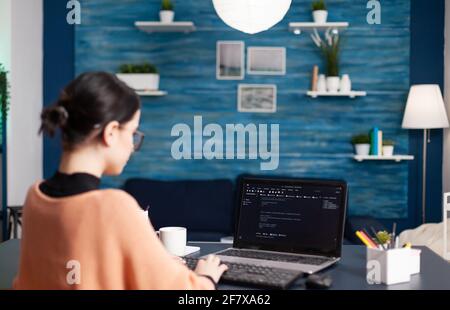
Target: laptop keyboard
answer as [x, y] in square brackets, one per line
[307, 260]
[258, 276]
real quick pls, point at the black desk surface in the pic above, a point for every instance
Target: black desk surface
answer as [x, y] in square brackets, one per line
[349, 273]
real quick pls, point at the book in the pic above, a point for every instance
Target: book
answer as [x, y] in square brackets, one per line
[380, 142]
[315, 77]
[374, 141]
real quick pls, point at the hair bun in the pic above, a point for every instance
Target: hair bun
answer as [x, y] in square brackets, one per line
[52, 118]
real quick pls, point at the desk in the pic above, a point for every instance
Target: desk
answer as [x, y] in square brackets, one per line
[348, 274]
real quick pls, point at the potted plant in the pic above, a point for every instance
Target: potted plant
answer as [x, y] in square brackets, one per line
[388, 147]
[139, 77]
[4, 94]
[384, 238]
[166, 14]
[4, 106]
[319, 11]
[330, 50]
[362, 144]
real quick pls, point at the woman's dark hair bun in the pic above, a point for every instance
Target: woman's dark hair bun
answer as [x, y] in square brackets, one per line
[52, 118]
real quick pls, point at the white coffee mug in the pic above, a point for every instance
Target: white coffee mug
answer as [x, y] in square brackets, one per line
[174, 239]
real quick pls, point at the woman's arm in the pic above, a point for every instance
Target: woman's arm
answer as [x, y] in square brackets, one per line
[147, 264]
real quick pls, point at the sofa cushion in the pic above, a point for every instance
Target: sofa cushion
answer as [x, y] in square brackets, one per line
[205, 207]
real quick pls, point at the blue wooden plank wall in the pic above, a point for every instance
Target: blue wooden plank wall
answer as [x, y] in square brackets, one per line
[314, 133]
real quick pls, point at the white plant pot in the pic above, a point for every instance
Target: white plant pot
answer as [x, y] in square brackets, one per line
[388, 150]
[345, 84]
[333, 83]
[320, 16]
[166, 16]
[362, 149]
[321, 83]
[140, 81]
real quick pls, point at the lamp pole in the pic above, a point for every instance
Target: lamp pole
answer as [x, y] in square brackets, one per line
[426, 140]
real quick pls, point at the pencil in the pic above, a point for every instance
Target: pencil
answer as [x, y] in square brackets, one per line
[368, 238]
[376, 236]
[364, 240]
[394, 228]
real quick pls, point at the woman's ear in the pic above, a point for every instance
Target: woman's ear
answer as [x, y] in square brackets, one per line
[110, 133]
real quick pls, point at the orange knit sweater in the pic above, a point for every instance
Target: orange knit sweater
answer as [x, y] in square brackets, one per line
[95, 240]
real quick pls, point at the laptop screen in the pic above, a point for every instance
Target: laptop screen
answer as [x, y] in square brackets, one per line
[298, 216]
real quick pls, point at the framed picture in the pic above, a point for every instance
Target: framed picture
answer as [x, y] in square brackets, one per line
[261, 98]
[230, 60]
[266, 60]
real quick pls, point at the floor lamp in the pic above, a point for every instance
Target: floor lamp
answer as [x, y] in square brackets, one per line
[425, 110]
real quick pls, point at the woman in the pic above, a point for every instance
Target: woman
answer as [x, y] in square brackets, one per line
[76, 236]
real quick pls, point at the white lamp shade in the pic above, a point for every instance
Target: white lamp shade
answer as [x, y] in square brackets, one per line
[251, 16]
[425, 108]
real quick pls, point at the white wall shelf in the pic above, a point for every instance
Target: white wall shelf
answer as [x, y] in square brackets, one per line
[396, 158]
[298, 27]
[151, 27]
[351, 94]
[151, 93]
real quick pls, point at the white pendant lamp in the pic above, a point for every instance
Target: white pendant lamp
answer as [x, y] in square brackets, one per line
[251, 16]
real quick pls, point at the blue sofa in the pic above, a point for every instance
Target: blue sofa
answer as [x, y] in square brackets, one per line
[206, 207]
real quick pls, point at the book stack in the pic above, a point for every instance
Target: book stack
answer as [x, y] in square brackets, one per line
[376, 142]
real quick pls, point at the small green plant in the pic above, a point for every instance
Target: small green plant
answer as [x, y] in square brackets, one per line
[388, 143]
[361, 139]
[319, 5]
[141, 68]
[167, 5]
[4, 92]
[383, 237]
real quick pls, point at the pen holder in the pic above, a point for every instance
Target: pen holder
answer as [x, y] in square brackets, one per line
[392, 266]
[415, 261]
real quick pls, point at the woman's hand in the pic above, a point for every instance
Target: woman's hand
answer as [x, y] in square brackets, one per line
[212, 267]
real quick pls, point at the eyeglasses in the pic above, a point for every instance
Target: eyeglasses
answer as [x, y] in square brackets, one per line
[138, 139]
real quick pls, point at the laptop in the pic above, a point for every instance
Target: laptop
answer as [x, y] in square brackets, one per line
[289, 224]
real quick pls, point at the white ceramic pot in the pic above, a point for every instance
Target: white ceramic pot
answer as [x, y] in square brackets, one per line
[140, 81]
[345, 85]
[333, 83]
[166, 16]
[388, 150]
[362, 149]
[320, 16]
[321, 83]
